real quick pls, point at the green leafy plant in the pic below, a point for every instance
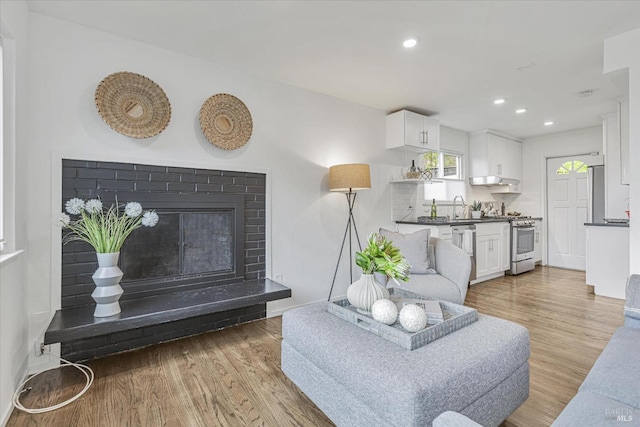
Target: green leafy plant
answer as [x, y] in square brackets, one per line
[476, 206]
[104, 229]
[381, 256]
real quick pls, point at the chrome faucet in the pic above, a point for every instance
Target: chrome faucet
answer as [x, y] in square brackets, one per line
[454, 204]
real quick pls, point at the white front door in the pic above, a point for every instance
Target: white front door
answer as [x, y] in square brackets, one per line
[567, 210]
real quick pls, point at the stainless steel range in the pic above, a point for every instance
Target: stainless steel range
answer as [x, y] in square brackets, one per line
[522, 245]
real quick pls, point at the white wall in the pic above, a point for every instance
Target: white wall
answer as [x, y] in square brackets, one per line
[621, 54]
[297, 135]
[536, 150]
[13, 305]
[420, 196]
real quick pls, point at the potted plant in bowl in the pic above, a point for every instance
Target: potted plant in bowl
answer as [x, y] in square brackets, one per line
[476, 209]
[379, 256]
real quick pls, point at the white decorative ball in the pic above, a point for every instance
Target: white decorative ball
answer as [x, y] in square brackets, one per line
[384, 311]
[413, 318]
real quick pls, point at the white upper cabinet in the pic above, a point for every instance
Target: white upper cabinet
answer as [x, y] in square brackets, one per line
[495, 155]
[411, 131]
[512, 167]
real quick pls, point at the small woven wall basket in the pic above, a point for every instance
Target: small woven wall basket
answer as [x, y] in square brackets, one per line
[133, 105]
[225, 121]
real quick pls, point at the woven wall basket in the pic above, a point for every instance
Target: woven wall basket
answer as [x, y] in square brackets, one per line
[225, 121]
[133, 105]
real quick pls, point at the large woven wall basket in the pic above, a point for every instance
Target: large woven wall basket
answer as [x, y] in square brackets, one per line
[225, 121]
[133, 105]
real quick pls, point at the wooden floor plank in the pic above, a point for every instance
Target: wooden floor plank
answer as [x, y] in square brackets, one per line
[233, 378]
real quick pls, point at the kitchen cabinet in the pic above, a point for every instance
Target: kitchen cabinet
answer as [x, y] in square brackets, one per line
[505, 234]
[495, 155]
[489, 251]
[411, 131]
[488, 256]
[512, 166]
[607, 262]
[537, 243]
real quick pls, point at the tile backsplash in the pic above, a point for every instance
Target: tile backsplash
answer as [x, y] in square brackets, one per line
[419, 198]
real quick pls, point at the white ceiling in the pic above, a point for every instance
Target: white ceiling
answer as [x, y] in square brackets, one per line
[468, 51]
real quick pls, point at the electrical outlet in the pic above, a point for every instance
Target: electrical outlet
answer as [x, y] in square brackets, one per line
[38, 347]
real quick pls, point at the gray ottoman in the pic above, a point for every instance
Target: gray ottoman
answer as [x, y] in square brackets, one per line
[359, 379]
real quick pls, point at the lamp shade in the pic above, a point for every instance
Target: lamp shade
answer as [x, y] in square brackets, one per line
[349, 177]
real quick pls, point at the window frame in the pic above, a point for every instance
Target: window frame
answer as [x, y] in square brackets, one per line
[8, 64]
[460, 175]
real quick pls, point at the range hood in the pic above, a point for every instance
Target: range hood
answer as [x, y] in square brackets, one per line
[492, 180]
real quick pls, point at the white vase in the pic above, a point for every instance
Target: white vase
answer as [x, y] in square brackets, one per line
[364, 292]
[108, 290]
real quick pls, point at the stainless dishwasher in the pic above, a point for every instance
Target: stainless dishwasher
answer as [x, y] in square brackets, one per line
[464, 237]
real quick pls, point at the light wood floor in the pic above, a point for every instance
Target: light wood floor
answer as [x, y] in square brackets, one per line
[233, 378]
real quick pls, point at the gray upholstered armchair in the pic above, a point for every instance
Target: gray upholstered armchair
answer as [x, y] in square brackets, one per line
[444, 275]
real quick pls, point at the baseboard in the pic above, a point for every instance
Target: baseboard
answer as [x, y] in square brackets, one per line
[6, 412]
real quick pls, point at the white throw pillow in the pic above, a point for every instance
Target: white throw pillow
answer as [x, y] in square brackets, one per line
[414, 247]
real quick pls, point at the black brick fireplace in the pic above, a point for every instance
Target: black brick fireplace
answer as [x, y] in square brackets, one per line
[211, 233]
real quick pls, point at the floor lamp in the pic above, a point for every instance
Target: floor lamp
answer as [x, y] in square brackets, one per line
[348, 179]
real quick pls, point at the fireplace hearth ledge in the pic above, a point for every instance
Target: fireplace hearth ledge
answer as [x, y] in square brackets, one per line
[76, 323]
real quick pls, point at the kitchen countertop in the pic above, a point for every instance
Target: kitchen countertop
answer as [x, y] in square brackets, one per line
[606, 224]
[465, 221]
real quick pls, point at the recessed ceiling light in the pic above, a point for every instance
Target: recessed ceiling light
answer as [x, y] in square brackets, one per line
[410, 43]
[521, 110]
[549, 123]
[499, 101]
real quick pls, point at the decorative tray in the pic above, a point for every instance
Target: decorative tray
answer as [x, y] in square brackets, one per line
[455, 317]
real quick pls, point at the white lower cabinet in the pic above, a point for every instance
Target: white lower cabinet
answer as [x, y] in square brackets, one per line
[607, 260]
[488, 255]
[490, 251]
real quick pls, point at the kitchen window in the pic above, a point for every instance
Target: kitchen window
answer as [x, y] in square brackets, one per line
[443, 165]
